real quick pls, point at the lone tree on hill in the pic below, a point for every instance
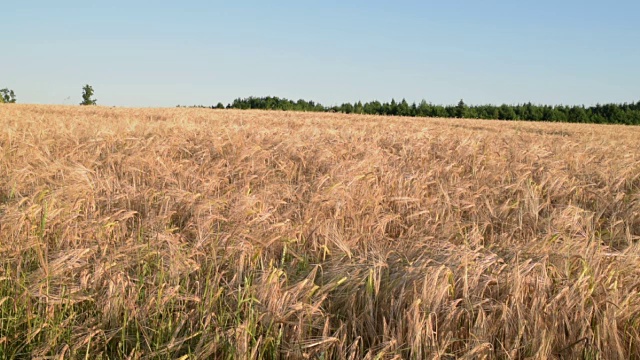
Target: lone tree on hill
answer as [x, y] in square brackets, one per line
[87, 93]
[7, 96]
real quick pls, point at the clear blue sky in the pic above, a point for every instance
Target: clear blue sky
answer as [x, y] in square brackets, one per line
[164, 53]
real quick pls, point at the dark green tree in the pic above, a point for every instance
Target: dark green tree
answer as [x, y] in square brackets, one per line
[506, 112]
[527, 112]
[393, 108]
[403, 108]
[373, 108]
[559, 114]
[578, 115]
[547, 113]
[346, 108]
[358, 108]
[424, 109]
[87, 94]
[220, 106]
[461, 109]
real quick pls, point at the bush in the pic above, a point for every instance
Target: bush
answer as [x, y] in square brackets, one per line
[7, 96]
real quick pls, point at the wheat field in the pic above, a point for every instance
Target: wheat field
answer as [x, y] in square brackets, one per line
[196, 234]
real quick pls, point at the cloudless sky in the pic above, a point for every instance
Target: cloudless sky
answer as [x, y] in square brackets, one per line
[165, 53]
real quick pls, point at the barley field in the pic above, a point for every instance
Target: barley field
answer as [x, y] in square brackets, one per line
[197, 234]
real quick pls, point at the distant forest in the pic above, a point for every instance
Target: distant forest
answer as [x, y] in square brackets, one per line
[628, 114]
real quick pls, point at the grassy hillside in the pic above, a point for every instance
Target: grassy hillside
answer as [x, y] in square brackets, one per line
[190, 233]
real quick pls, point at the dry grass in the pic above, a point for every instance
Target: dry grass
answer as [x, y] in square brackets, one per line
[186, 233]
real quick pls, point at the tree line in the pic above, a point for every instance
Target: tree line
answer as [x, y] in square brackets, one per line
[627, 113]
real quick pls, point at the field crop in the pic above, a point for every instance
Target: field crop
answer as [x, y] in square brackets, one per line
[194, 233]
